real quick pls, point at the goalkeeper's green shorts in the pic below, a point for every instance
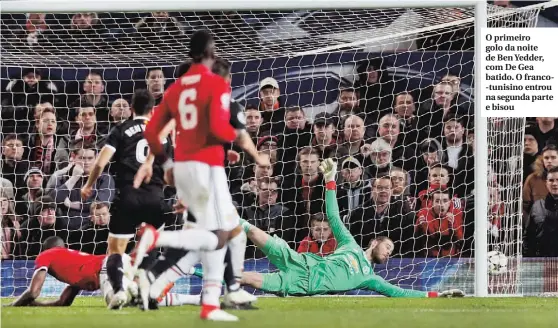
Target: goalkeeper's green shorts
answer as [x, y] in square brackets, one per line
[294, 272]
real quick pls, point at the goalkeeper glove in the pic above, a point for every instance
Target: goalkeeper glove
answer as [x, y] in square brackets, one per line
[452, 293]
[329, 169]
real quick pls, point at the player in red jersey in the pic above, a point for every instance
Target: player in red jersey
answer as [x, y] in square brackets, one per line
[81, 271]
[199, 102]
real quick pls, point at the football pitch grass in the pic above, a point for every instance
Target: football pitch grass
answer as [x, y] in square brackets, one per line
[350, 312]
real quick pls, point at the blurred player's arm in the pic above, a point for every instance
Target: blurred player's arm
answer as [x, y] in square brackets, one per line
[340, 232]
[29, 296]
[219, 113]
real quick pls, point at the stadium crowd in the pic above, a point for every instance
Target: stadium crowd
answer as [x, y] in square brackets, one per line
[406, 159]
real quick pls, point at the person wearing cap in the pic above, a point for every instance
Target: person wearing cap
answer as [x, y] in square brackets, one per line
[530, 150]
[429, 152]
[354, 190]
[30, 90]
[42, 223]
[324, 129]
[34, 185]
[377, 158]
[380, 216]
[273, 114]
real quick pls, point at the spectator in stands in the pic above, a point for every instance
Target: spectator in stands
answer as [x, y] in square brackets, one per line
[544, 220]
[30, 90]
[433, 111]
[439, 175]
[458, 154]
[530, 151]
[7, 188]
[379, 216]
[36, 24]
[297, 134]
[155, 81]
[321, 240]
[405, 111]
[253, 122]
[304, 193]
[87, 129]
[249, 189]
[347, 104]
[10, 227]
[273, 115]
[439, 228]
[377, 88]
[119, 111]
[12, 166]
[34, 179]
[535, 184]
[465, 104]
[389, 130]
[269, 145]
[324, 141]
[42, 223]
[42, 146]
[354, 190]
[94, 233]
[353, 137]
[67, 189]
[269, 216]
[376, 159]
[400, 183]
[94, 88]
[429, 152]
[547, 131]
[159, 28]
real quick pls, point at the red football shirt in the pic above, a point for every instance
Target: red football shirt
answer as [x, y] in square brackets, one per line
[199, 102]
[72, 267]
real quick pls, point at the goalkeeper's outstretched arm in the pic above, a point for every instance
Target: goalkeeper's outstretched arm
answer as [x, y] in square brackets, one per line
[340, 232]
[379, 285]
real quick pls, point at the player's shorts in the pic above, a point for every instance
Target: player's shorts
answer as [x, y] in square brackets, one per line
[293, 278]
[106, 287]
[205, 190]
[132, 207]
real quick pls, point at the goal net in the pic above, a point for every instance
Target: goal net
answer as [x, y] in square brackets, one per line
[397, 87]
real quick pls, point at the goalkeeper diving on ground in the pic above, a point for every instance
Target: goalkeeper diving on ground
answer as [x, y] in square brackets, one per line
[307, 274]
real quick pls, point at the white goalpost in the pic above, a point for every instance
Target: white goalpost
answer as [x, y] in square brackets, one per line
[311, 50]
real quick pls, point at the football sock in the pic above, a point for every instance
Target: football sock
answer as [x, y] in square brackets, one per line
[173, 299]
[190, 239]
[229, 278]
[214, 267]
[170, 257]
[237, 246]
[172, 274]
[149, 260]
[115, 271]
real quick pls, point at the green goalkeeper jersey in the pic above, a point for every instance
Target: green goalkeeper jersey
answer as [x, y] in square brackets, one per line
[347, 268]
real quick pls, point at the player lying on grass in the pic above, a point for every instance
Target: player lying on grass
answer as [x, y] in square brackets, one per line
[82, 271]
[348, 268]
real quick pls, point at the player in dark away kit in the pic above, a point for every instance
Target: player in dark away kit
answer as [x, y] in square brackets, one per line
[132, 206]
